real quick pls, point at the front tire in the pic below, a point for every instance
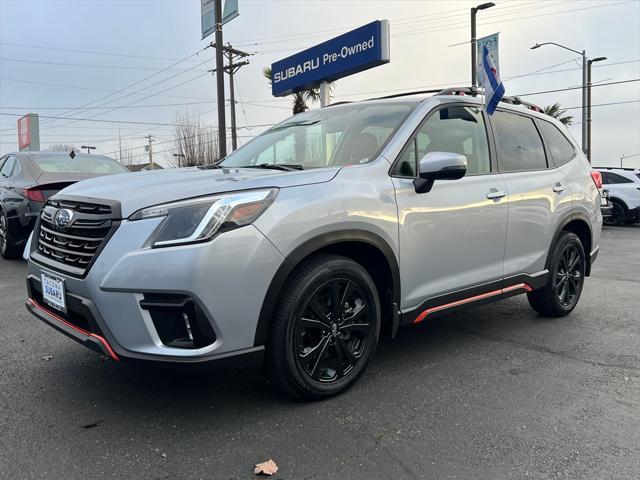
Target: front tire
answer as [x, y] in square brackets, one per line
[326, 328]
[566, 277]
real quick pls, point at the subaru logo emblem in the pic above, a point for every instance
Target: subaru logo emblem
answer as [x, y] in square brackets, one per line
[63, 218]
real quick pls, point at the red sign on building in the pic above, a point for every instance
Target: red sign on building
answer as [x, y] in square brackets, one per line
[24, 132]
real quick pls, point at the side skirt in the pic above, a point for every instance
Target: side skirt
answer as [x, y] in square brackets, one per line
[474, 296]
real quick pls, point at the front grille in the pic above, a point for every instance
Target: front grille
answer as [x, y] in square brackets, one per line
[74, 247]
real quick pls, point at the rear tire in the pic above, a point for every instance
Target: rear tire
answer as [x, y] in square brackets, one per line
[618, 214]
[566, 278]
[326, 328]
[8, 250]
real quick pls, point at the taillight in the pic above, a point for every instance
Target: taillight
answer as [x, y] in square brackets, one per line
[596, 176]
[34, 194]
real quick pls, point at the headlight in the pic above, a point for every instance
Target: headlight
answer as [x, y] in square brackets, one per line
[199, 219]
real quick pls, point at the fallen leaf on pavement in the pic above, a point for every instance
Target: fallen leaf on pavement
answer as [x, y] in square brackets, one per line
[92, 424]
[266, 468]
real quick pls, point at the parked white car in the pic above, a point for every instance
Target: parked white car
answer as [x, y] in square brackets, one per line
[623, 185]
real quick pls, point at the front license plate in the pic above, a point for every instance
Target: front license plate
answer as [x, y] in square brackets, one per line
[53, 292]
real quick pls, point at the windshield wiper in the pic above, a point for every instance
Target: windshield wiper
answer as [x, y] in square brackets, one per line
[285, 167]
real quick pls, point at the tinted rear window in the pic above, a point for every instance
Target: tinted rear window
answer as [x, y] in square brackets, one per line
[79, 164]
[519, 143]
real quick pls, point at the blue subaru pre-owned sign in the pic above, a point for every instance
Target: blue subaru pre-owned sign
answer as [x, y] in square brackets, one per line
[352, 52]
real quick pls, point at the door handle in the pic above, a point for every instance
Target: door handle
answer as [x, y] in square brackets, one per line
[558, 188]
[494, 194]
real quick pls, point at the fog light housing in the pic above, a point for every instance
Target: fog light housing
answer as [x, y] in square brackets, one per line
[178, 320]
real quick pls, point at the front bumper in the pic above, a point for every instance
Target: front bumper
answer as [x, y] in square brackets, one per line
[226, 278]
[633, 214]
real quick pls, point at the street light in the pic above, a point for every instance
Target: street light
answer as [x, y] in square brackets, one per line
[474, 10]
[88, 147]
[589, 62]
[628, 156]
[584, 87]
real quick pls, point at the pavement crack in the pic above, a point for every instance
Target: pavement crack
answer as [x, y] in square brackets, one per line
[559, 353]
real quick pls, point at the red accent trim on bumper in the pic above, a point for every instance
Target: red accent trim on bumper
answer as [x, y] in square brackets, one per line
[81, 331]
[428, 311]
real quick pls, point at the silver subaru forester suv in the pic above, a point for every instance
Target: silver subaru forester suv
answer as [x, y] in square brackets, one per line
[305, 244]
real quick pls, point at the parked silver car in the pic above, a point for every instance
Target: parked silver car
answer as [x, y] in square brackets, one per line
[306, 243]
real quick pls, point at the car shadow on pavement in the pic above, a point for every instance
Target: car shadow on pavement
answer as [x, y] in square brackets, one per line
[145, 387]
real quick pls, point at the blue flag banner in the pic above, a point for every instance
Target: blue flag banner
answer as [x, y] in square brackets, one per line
[492, 85]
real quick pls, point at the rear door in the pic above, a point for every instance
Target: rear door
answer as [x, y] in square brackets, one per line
[453, 236]
[538, 194]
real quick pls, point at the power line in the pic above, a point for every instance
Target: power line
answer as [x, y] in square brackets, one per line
[90, 52]
[578, 88]
[605, 104]
[127, 86]
[77, 87]
[81, 65]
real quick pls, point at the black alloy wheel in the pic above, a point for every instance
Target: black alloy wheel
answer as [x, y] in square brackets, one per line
[326, 327]
[618, 215]
[332, 330]
[567, 268]
[569, 275]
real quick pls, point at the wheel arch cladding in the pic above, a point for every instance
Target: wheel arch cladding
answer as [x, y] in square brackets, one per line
[578, 224]
[366, 248]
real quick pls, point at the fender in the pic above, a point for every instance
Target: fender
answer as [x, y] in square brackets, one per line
[570, 218]
[304, 250]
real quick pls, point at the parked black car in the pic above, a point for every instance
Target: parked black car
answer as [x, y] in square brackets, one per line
[28, 179]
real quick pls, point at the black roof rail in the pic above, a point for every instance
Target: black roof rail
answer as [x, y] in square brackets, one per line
[339, 103]
[405, 94]
[472, 91]
[630, 169]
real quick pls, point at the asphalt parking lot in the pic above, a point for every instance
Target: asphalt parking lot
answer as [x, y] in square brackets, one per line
[494, 392]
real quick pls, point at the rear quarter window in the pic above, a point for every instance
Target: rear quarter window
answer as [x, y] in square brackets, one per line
[560, 147]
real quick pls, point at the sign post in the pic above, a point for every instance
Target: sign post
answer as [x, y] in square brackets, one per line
[360, 49]
[492, 44]
[29, 132]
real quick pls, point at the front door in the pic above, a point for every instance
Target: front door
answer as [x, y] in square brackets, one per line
[452, 237]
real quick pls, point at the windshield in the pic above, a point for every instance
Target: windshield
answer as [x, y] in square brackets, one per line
[333, 136]
[79, 164]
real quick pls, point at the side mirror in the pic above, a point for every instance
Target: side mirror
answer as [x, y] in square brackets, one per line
[439, 166]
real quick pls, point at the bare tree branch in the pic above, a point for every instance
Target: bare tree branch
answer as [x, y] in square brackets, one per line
[197, 142]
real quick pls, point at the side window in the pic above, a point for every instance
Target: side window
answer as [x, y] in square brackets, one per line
[613, 178]
[561, 148]
[8, 167]
[452, 129]
[519, 143]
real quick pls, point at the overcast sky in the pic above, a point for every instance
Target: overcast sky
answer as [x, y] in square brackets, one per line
[56, 55]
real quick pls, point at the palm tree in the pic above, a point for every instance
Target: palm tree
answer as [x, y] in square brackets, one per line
[301, 98]
[556, 111]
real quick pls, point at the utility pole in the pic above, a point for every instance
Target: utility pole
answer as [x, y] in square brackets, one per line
[88, 147]
[474, 59]
[232, 54]
[150, 150]
[589, 62]
[222, 125]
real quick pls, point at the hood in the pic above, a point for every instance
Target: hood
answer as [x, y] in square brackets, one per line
[142, 189]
